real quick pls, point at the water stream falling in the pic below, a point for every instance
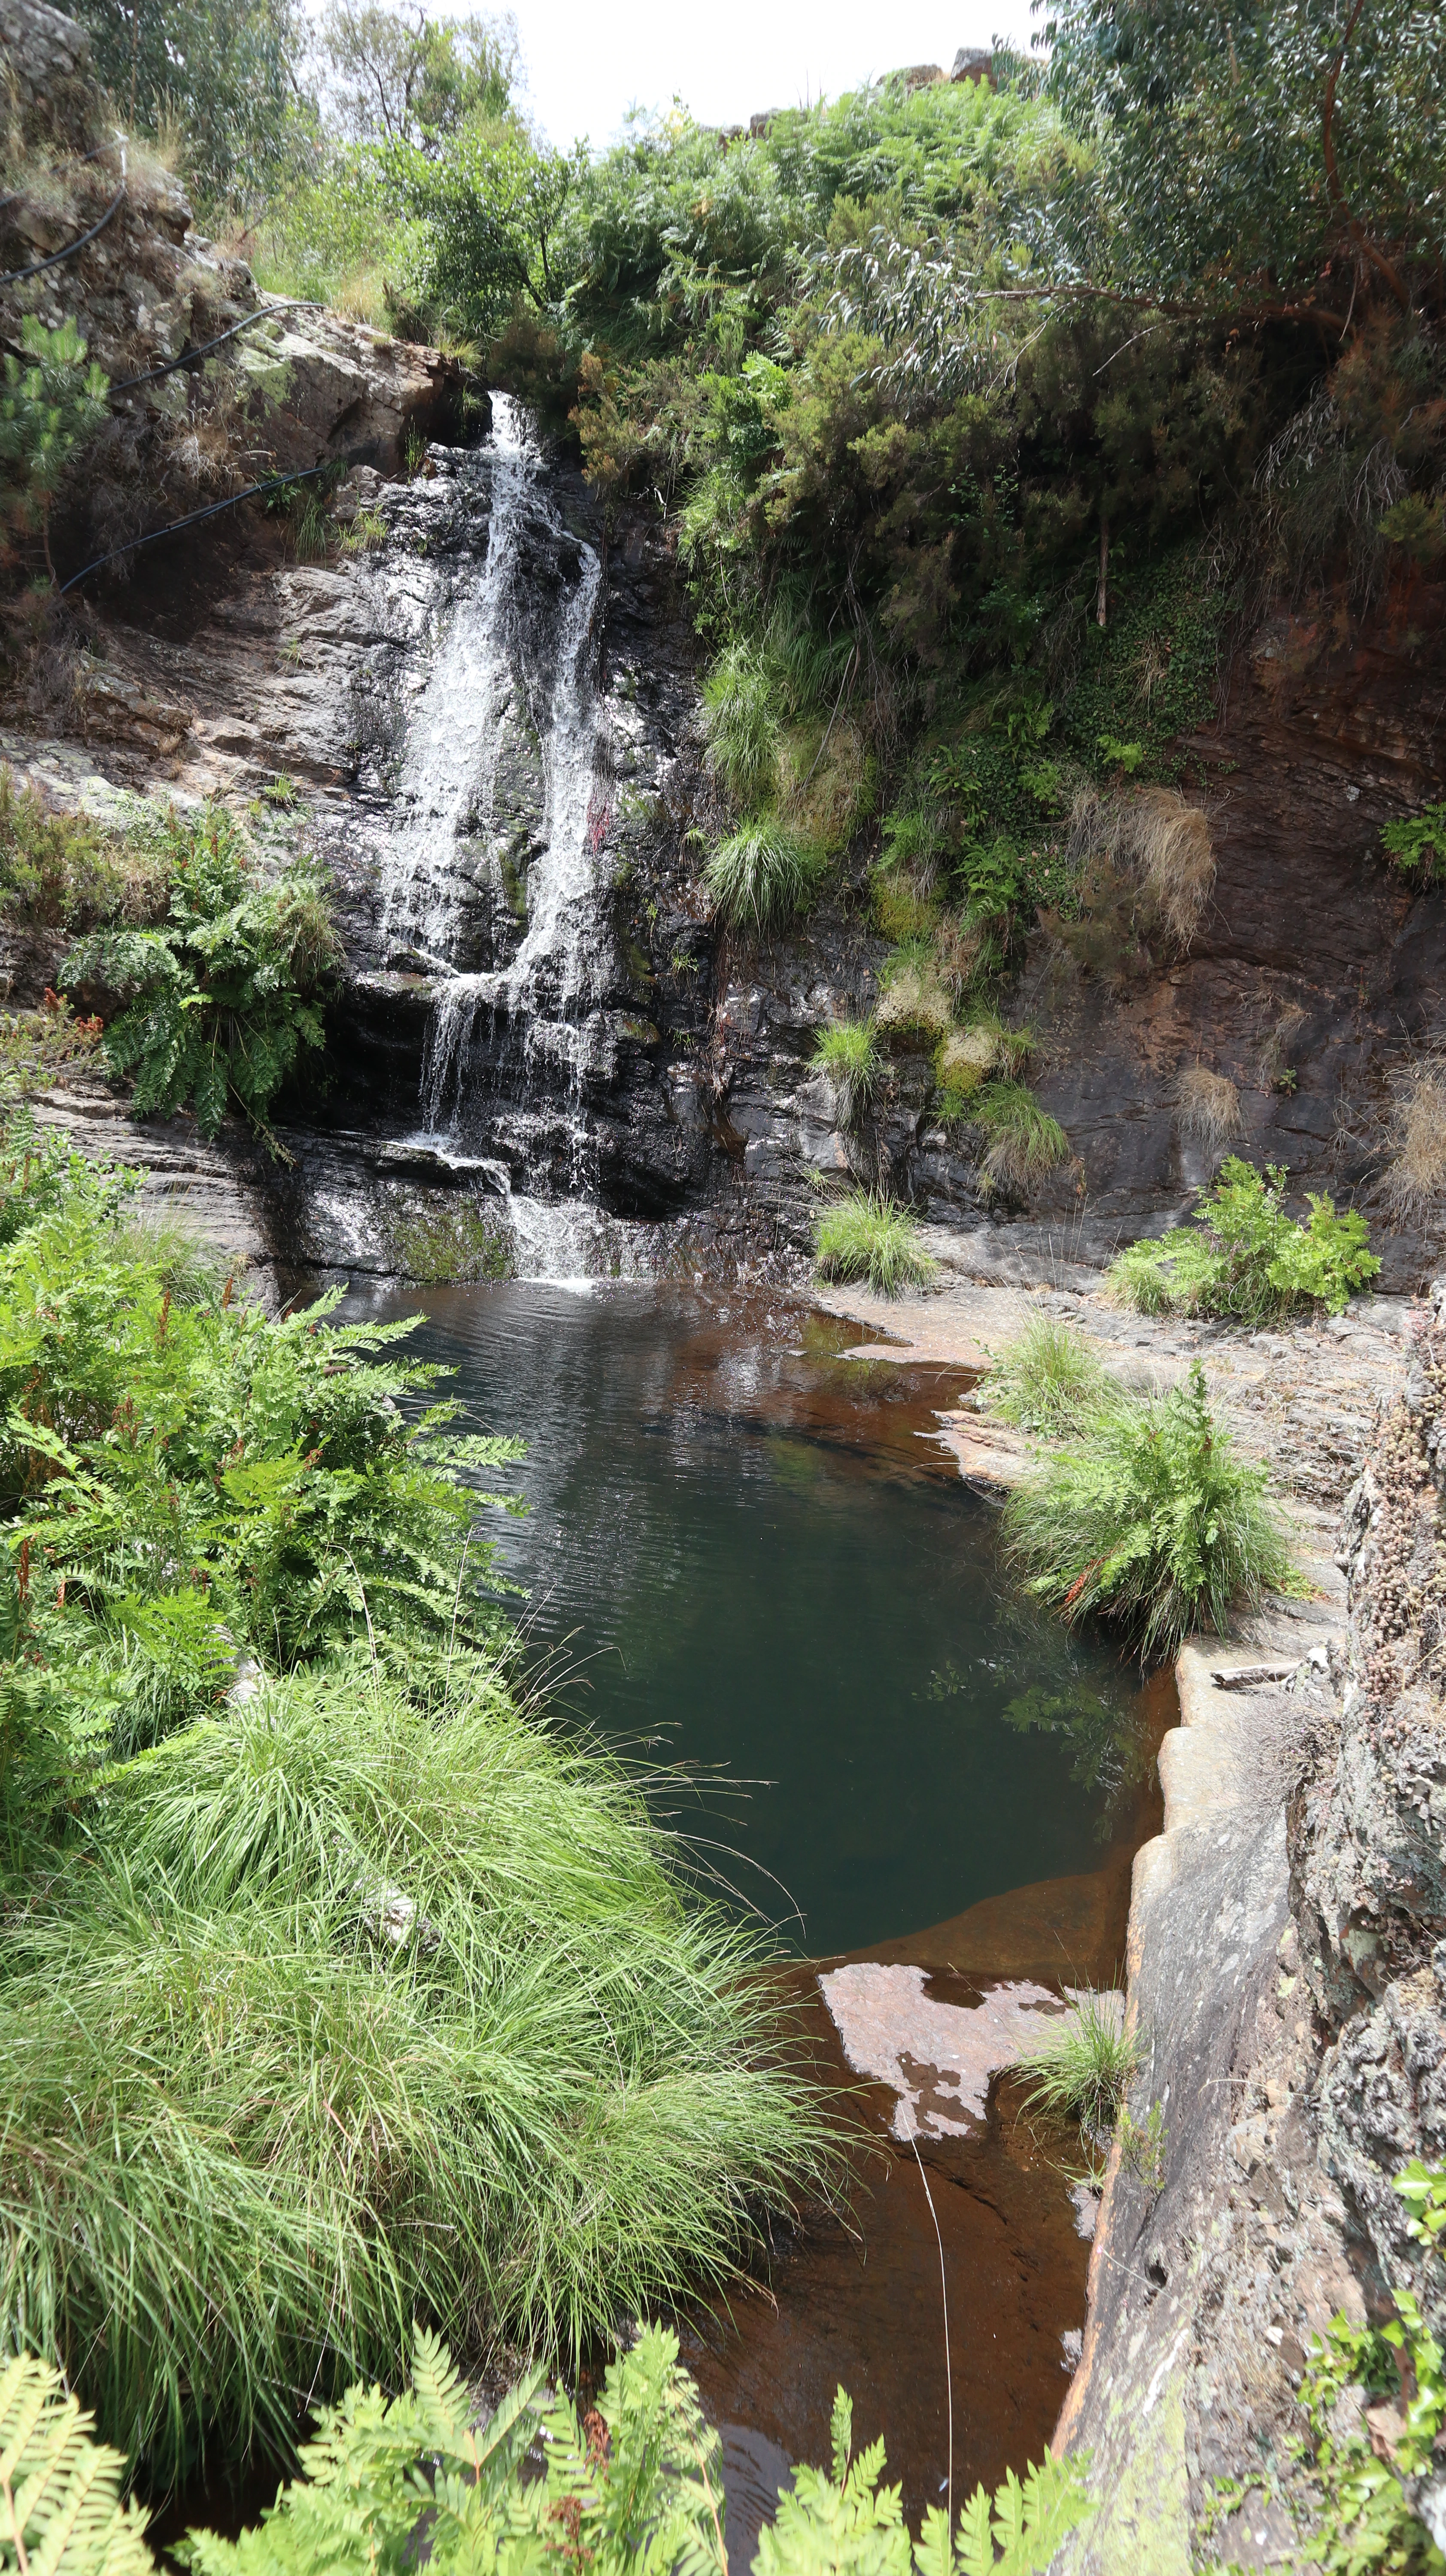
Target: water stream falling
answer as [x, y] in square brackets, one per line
[516, 656]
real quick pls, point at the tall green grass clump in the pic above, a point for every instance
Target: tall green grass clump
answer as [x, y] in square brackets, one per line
[1024, 1142]
[872, 1239]
[636, 2485]
[742, 718]
[1242, 1256]
[1083, 2067]
[849, 1053]
[761, 876]
[1152, 1519]
[1048, 1380]
[336, 1990]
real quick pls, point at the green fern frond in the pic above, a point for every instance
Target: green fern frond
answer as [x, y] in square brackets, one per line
[60, 2503]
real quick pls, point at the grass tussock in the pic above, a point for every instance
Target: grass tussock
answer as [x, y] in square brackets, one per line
[1416, 1174]
[1024, 1144]
[1150, 840]
[1207, 1108]
[848, 1054]
[1049, 1380]
[357, 2003]
[761, 876]
[1085, 2065]
[870, 1239]
[1151, 1518]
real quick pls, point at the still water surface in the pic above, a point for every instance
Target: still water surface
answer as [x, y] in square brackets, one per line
[751, 1555]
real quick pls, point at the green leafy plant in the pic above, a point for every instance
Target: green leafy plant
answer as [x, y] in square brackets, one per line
[1084, 2066]
[60, 2492]
[1242, 1256]
[635, 2489]
[1048, 1380]
[1120, 755]
[1417, 845]
[51, 405]
[222, 999]
[848, 1053]
[872, 1239]
[761, 875]
[1152, 1519]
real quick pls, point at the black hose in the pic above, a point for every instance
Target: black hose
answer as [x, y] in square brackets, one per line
[17, 275]
[72, 161]
[273, 483]
[287, 304]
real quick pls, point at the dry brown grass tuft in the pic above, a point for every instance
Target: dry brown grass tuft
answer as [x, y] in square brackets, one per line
[1175, 856]
[1154, 839]
[1207, 1107]
[1416, 1175]
[965, 1058]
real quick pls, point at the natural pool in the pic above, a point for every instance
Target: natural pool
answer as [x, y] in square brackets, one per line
[750, 1555]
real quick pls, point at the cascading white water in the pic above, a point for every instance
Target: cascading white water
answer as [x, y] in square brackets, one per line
[448, 782]
[448, 773]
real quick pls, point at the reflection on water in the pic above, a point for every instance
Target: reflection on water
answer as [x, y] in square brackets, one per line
[755, 1558]
[752, 1557]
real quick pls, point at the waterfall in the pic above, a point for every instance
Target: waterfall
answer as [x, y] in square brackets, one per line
[515, 656]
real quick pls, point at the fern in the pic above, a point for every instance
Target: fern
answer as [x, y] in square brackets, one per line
[635, 2489]
[60, 2507]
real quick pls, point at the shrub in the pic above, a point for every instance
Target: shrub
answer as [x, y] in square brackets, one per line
[55, 868]
[447, 1244]
[343, 1993]
[1242, 1256]
[1084, 2066]
[221, 1000]
[1049, 1380]
[51, 405]
[761, 876]
[872, 1238]
[637, 2485]
[1417, 844]
[1152, 1519]
[1207, 1107]
[848, 1053]
[1024, 1141]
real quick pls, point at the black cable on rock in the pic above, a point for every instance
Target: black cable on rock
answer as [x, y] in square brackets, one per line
[263, 312]
[17, 275]
[273, 483]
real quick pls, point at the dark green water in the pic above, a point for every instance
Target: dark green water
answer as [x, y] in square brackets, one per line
[745, 1556]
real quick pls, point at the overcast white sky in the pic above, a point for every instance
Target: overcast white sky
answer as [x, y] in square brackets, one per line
[588, 61]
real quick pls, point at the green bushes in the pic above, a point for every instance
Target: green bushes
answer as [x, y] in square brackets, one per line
[334, 1990]
[1242, 1256]
[761, 875]
[1417, 844]
[873, 1240]
[55, 869]
[1152, 1519]
[638, 2484]
[223, 997]
[51, 405]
